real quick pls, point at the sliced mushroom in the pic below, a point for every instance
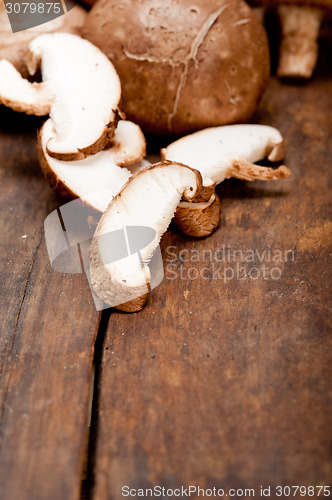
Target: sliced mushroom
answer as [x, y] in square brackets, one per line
[220, 153]
[98, 178]
[149, 199]
[230, 151]
[21, 95]
[86, 91]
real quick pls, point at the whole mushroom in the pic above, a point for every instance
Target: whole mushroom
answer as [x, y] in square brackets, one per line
[184, 65]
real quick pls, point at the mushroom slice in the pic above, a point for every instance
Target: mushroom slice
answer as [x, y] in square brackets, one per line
[87, 93]
[98, 178]
[86, 89]
[148, 200]
[21, 95]
[198, 219]
[220, 153]
[230, 151]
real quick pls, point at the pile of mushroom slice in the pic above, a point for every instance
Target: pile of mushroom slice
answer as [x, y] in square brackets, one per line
[83, 147]
[85, 151]
[220, 153]
[183, 187]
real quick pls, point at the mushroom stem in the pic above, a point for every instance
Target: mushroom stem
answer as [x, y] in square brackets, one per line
[246, 171]
[198, 219]
[299, 47]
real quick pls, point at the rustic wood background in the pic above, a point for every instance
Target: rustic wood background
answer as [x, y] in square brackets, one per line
[213, 383]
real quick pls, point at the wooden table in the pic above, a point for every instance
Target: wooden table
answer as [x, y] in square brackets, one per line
[217, 383]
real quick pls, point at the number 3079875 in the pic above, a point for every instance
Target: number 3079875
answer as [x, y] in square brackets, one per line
[310, 491]
[32, 8]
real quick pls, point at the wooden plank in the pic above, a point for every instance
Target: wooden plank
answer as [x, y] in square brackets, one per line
[48, 329]
[226, 383]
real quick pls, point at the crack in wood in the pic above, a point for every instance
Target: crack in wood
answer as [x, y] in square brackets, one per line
[8, 355]
[87, 483]
[24, 293]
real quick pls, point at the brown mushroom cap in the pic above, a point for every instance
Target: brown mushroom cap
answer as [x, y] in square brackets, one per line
[184, 65]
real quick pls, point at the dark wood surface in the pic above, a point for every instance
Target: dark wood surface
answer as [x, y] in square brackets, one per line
[48, 329]
[229, 384]
[214, 384]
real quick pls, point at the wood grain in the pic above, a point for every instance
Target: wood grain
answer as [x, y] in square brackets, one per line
[227, 384]
[215, 383]
[48, 329]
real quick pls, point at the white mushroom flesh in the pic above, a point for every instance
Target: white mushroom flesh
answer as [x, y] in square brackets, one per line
[86, 88]
[98, 178]
[22, 95]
